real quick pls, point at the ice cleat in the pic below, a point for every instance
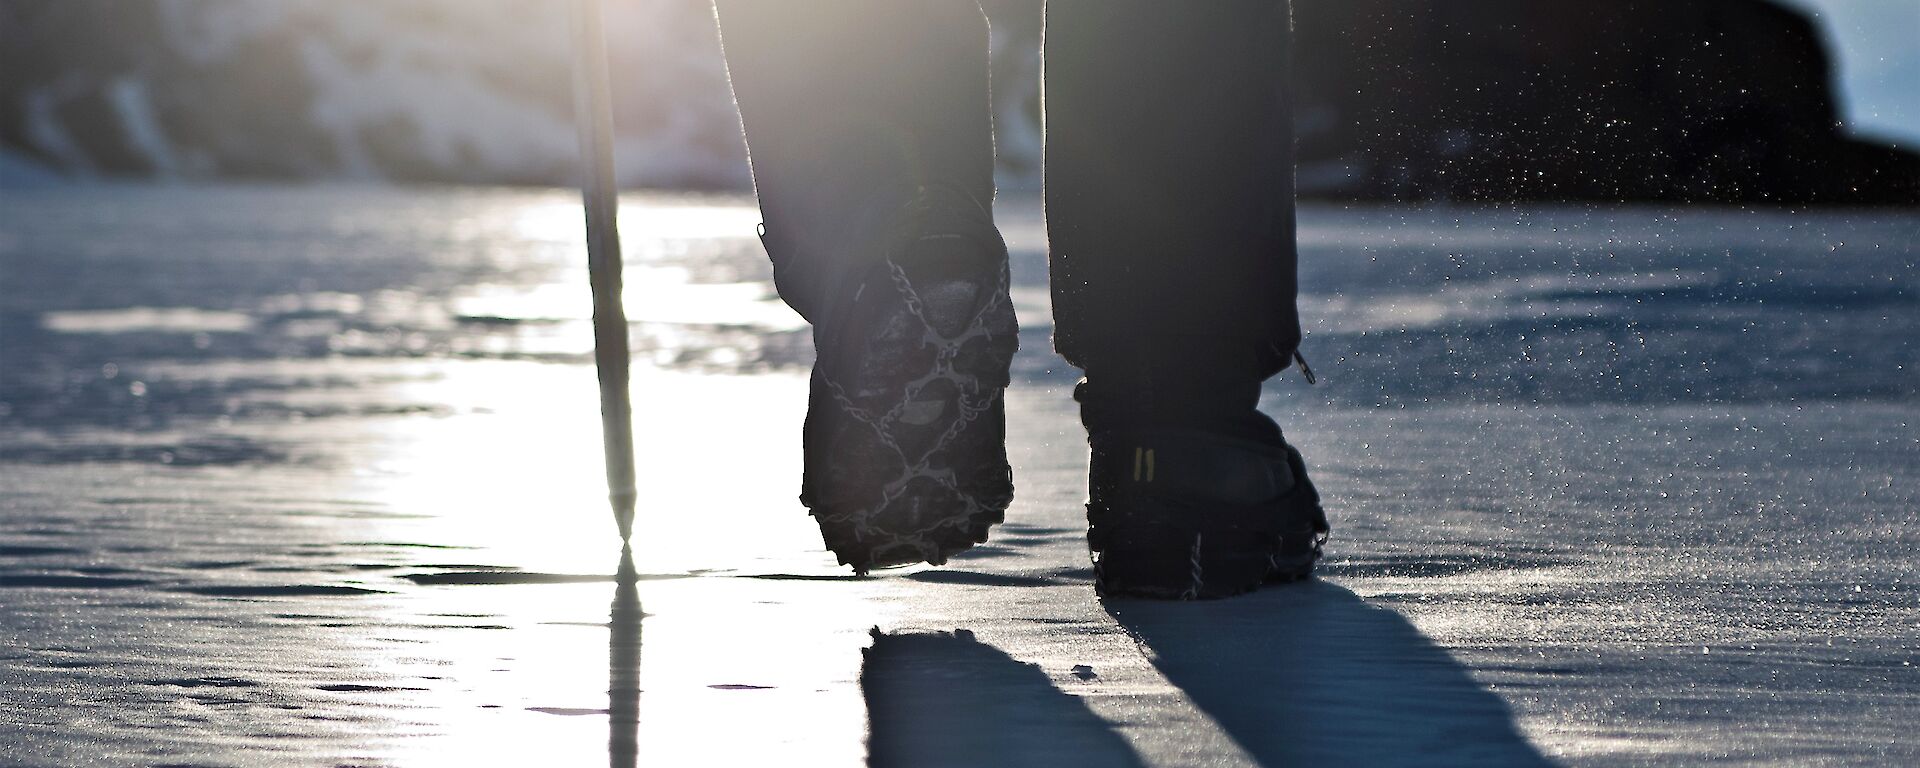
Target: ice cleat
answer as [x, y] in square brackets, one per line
[1177, 514]
[905, 437]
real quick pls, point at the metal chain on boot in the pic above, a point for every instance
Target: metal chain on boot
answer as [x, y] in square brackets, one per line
[973, 400]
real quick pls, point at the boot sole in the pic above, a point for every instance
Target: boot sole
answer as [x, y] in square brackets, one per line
[1195, 572]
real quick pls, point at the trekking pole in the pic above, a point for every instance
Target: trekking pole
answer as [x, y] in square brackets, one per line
[593, 116]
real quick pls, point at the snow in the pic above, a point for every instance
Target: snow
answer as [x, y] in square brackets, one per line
[134, 107]
[429, 90]
[1610, 486]
[47, 134]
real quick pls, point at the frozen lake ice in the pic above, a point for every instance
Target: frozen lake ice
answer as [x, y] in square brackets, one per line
[310, 476]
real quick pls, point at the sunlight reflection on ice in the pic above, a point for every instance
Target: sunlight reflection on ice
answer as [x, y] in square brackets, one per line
[517, 476]
[656, 219]
[159, 319]
[655, 294]
[521, 470]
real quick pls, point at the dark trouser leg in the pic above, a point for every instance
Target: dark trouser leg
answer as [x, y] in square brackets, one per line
[850, 108]
[1169, 190]
[1170, 217]
[871, 136]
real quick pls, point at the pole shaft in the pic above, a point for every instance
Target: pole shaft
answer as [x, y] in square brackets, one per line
[592, 96]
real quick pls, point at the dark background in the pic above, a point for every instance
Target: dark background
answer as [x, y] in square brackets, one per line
[1726, 101]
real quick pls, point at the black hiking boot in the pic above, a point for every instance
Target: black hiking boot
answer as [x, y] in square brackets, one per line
[1196, 508]
[906, 429]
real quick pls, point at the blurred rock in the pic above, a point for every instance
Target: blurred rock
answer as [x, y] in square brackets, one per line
[1698, 101]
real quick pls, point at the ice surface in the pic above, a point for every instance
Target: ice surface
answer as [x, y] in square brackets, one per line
[16, 171]
[311, 477]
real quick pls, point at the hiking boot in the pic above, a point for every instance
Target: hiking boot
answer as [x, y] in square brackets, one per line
[906, 428]
[1199, 512]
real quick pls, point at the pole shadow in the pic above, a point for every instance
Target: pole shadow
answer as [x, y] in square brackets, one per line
[623, 667]
[1310, 674]
[939, 699]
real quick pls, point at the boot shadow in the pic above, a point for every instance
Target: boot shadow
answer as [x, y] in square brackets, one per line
[1310, 674]
[940, 699]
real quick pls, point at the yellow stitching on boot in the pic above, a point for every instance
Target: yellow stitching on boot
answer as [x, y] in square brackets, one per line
[1149, 465]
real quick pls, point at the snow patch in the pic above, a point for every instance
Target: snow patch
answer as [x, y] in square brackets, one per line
[47, 134]
[134, 106]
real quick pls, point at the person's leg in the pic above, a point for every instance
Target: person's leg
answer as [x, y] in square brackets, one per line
[1169, 192]
[871, 139]
[1169, 178]
[850, 107]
